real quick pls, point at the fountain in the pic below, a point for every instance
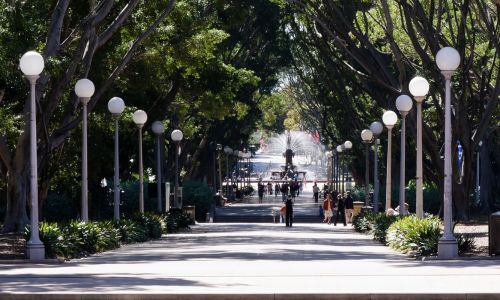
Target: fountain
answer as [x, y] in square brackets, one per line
[295, 143]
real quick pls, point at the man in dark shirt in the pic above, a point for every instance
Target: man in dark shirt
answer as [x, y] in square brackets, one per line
[340, 211]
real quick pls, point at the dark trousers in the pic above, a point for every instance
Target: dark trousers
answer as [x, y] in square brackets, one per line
[341, 213]
[316, 195]
[289, 219]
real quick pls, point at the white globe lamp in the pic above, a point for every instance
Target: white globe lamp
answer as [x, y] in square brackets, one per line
[32, 63]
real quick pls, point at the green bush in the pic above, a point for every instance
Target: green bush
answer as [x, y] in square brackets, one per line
[381, 223]
[76, 238]
[176, 219]
[200, 195]
[415, 236]
[363, 222]
[131, 231]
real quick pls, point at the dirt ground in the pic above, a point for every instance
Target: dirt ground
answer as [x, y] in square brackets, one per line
[479, 231]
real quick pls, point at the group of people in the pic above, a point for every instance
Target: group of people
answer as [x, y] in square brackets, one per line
[292, 188]
[336, 205]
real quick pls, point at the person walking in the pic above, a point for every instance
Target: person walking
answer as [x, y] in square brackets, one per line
[328, 209]
[289, 212]
[316, 192]
[260, 191]
[276, 189]
[269, 188]
[284, 191]
[349, 206]
[340, 211]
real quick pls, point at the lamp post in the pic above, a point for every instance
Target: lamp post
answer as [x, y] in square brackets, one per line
[478, 175]
[32, 65]
[228, 151]
[158, 130]
[419, 87]
[376, 128]
[366, 137]
[403, 104]
[116, 107]
[140, 117]
[334, 157]
[347, 147]
[219, 152]
[84, 89]
[177, 138]
[329, 168]
[389, 118]
[447, 60]
[339, 166]
[236, 155]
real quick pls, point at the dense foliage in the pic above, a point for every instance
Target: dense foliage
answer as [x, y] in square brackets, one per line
[352, 58]
[77, 239]
[408, 234]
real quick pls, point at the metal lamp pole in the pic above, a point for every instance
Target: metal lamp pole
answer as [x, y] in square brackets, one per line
[366, 137]
[116, 107]
[84, 89]
[389, 118]
[419, 87]
[140, 117]
[158, 129]
[177, 137]
[376, 128]
[32, 65]
[404, 105]
[448, 60]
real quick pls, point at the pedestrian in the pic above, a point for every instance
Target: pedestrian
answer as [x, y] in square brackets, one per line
[260, 190]
[325, 191]
[321, 212]
[289, 212]
[328, 209]
[340, 211]
[276, 189]
[315, 192]
[349, 206]
[269, 188]
[284, 191]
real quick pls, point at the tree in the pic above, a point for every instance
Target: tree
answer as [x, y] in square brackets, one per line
[380, 46]
[79, 39]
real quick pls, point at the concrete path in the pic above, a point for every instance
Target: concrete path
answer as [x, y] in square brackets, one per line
[263, 261]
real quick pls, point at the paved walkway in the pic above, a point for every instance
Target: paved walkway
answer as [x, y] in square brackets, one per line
[265, 259]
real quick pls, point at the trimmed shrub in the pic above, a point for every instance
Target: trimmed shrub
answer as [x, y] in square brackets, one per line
[200, 195]
[363, 222]
[415, 236]
[381, 223]
[176, 219]
[76, 238]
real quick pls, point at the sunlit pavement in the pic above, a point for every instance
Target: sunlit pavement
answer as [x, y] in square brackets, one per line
[265, 259]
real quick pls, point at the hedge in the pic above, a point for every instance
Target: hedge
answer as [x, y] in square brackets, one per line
[78, 239]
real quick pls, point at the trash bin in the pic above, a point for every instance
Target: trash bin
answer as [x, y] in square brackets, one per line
[357, 205]
[190, 210]
[494, 233]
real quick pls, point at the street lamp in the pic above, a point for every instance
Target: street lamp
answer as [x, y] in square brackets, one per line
[158, 129]
[32, 65]
[403, 104]
[376, 128]
[389, 118]
[447, 60]
[177, 138]
[329, 168]
[140, 117]
[219, 152]
[419, 87]
[116, 107]
[339, 163]
[84, 89]
[366, 137]
[347, 147]
[228, 151]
